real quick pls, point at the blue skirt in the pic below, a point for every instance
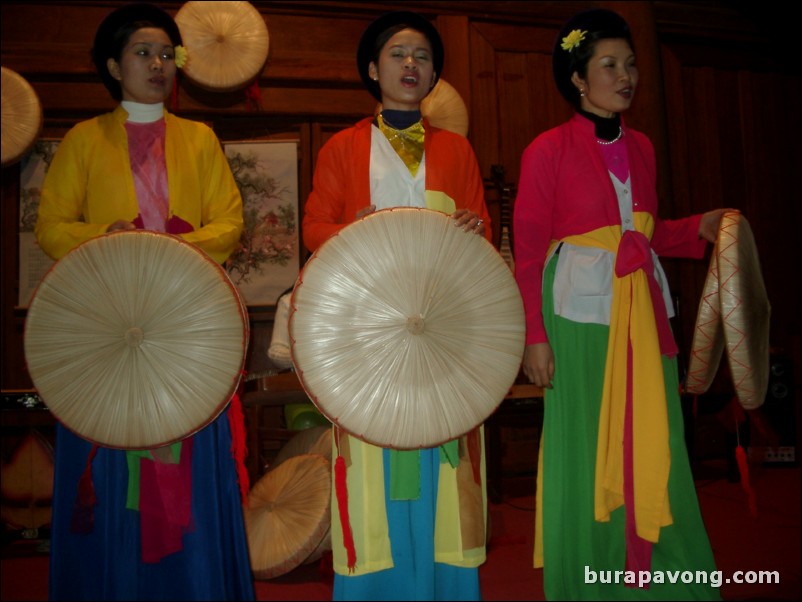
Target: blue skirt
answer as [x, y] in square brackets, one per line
[106, 564]
[415, 575]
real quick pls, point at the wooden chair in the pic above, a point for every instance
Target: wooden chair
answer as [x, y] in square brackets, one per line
[263, 404]
[520, 414]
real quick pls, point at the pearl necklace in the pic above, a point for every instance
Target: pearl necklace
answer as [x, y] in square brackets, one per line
[616, 139]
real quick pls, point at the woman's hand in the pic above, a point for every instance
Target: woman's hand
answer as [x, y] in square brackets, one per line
[469, 221]
[538, 364]
[121, 225]
[709, 224]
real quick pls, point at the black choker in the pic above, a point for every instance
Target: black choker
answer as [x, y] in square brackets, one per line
[400, 120]
[607, 128]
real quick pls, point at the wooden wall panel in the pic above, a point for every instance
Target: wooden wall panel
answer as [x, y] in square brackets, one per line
[548, 106]
[516, 37]
[698, 191]
[484, 114]
[719, 99]
[454, 30]
[516, 110]
[313, 48]
[50, 38]
[731, 146]
[704, 152]
[770, 124]
[14, 374]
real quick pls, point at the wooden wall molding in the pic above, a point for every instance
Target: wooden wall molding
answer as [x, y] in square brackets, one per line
[719, 98]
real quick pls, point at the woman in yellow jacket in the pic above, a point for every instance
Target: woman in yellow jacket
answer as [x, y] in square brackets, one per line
[140, 167]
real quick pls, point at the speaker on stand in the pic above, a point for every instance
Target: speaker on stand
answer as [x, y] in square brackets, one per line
[774, 424]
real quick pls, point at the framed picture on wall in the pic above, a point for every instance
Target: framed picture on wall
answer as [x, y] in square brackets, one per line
[268, 260]
[33, 262]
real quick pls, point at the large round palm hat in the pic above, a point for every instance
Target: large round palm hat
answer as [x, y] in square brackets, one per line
[406, 331]
[136, 339]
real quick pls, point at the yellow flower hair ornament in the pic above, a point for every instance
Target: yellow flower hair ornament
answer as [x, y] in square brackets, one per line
[573, 39]
[180, 56]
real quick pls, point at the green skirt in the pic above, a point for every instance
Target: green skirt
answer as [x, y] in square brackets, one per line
[585, 559]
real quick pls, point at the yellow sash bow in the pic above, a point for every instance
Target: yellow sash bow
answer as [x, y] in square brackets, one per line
[632, 321]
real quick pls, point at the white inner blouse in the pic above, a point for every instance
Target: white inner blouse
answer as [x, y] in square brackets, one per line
[391, 184]
[583, 281]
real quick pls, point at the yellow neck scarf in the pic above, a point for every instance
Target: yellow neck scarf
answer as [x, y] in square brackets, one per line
[408, 143]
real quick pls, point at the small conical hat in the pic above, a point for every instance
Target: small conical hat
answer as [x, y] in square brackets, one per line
[314, 440]
[445, 109]
[21, 116]
[227, 43]
[287, 517]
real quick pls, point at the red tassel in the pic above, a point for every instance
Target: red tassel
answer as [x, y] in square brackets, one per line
[326, 566]
[83, 513]
[737, 412]
[743, 468]
[253, 96]
[239, 448]
[738, 415]
[342, 502]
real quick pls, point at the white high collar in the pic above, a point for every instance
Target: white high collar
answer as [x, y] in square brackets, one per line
[139, 112]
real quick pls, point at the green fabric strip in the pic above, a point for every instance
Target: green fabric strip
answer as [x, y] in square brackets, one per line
[405, 469]
[404, 474]
[449, 452]
[134, 456]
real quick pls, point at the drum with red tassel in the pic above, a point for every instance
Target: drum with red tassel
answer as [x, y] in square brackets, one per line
[733, 318]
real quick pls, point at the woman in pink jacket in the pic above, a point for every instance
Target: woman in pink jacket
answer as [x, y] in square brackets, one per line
[615, 491]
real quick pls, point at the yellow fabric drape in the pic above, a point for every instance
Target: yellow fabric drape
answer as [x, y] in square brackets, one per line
[459, 537]
[632, 321]
[538, 559]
